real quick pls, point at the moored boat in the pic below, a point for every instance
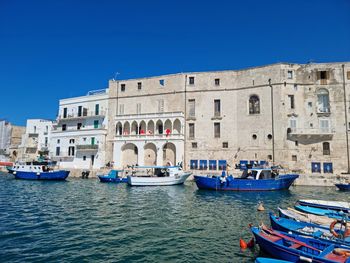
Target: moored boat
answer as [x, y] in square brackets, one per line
[296, 248]
[252, 179]
[270, 260]
[38, 171]
[332, 205]
[343, 187]
[322, 212]
[113, 177]
[157, 176]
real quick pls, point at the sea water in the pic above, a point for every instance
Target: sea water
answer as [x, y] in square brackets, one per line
[88, 221]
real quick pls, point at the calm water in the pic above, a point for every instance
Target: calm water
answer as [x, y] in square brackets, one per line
[86, 221]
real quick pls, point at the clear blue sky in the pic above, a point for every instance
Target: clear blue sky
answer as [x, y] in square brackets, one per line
[53, 49]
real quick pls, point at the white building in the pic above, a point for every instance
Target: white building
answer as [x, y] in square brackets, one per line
[78, 137]
[35, 141]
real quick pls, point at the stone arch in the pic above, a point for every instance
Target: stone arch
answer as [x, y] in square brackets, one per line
[126, 128]
[134, 128]
[142, 127]
[168, 126]
[169, 153]
[129, 154]
[159, 127]
[150, 154]
[119, 129]
[150, 127]
[177, 127]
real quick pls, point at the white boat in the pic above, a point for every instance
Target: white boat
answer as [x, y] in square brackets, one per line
[157, 175]
[333, 205]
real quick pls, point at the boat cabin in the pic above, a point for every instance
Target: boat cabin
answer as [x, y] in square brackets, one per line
[153, 171]
[33, 167]
[259, 173]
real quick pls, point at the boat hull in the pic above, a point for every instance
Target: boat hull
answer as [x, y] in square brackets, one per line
[333, 205]
[270, 260]
[53, 175]
[157, 181]
[320, 212]
[343, 187]
[108, 179]
[234, 184]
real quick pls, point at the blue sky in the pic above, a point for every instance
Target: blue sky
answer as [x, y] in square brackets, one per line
[54, 49]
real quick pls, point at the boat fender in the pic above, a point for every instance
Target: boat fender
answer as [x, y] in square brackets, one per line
[342, 223]
[242, 244]
[305, 259]
[37, 173]
[14, 172]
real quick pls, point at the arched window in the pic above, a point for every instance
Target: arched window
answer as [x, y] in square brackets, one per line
[323, 101]
[326, 148]
[254, 104]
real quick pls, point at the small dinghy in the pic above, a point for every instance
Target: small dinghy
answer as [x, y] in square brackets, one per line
[296, 248]
[331, 205]
[321, 212]
[113, 177]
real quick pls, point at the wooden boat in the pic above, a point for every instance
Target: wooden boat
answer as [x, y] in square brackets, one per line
[113, 177]
[304, 217]
[343, 187]
[307, 229]
[296, 248]
[38, 171]
[252, 179]
[270, 260]
[157, 176]
[332, 205]
[321, 212]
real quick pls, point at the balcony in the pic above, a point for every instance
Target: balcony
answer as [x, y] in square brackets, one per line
[150, 116]
[149, 137]
[83, 115]
[62, 158]
[87, 147]
[312, 134]
[57, 129]
[33, 135]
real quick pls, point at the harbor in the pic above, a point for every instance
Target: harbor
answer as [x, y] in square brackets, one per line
[84, 220]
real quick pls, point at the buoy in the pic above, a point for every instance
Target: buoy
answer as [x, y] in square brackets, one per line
[242, 244]
[251, 243]
[261, 207]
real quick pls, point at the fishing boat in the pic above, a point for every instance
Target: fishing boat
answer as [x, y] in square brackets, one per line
[113, 177]
[296, 248]
[270, 260]
[157, 175]
[304, 217]
[343, 187]
[322, 212]
[311, 229]
[252, 179]
[38, 171]
[332, 205]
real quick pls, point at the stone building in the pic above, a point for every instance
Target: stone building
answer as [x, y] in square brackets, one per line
[289, 114]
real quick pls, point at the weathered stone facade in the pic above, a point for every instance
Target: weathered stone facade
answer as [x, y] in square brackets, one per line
[288, 114]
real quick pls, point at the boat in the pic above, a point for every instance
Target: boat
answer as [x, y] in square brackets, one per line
[157, 175]
[309, 229]
[322, 212]
[332, 205]
[113, 177]
[38, 171]
[252, 179]
[296, 248]
[343, 187]
[304, 217]
[270, 260]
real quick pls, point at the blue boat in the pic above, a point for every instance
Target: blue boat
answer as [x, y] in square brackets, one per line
[252, 179]
[270, 260]
[296, 248]
[307, 229]
[331, 205]
[113, 177]
[321, 212]
[38, 171]
[343, 187]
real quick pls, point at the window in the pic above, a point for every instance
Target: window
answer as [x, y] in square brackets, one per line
[323, 76]
[162, 82]
[65, 110]
[84, 158]
[254, 105]
[64, 127]
[71, 150]
[315, 167]
[217, 130]
[46, 141]
[217, 82]
[191, 80]
[58, 149]
[254, 136]
[138, 108]
[161, 105]
[296, 143]
[326, 148]
[122, 87]
[327, 167]
[191, 130]
[92, 140]
[217, 108]
[191, 108]
[269, 157]
[34, 129]
[324, 126]
[96, 124]
[269, 136]
[121, 109]
[309, 104]
[290, 74]
[293, 125]
[348, 74]
[58, 141]
[97, 109]
[194, 145]
[323, 101]
[79, 126]
[294, 158]
[139, 85]
[71, 141]
[291, 101]
[80, 111]
[225, 145]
